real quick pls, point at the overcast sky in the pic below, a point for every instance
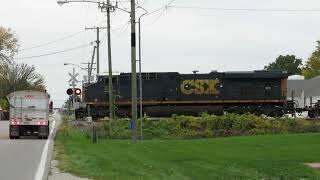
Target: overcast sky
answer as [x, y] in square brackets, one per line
[173, 39]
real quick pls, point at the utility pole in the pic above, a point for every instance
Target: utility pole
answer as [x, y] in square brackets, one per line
[107, 8]
[98, 45]
[133, 72]
[91, 66]
[89, 69]
[110, 68]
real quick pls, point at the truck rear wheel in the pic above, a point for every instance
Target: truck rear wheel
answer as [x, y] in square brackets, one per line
[45, 134]
[48, 132]
[14, 137]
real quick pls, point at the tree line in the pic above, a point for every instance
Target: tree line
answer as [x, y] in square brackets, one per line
[15, 76]
[294, 65]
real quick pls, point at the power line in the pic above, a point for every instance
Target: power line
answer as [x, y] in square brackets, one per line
[245, 9]
[120, 26]
[74, 34]
[160, 15]
[122, 5]
[51, 42]
[141, 4]
[57, 52]
[57, 40]
[162, 8]
[121, 29]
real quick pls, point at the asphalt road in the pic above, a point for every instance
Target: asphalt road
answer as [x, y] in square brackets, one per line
[20, 158]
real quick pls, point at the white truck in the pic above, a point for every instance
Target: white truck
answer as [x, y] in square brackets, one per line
[29, 114]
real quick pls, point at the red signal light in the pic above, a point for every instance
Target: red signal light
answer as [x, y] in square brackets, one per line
[77, 91]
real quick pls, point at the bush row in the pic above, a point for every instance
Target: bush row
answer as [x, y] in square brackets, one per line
[205, 126]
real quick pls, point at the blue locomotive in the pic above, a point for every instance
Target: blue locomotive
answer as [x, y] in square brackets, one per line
[167, 93]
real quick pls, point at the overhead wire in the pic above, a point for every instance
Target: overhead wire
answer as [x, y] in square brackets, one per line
[120, 29]
[99, 23]
[59, 39]
[245, 9]
[56, 52]
[141, 4]
[165, 7]
[52, 42]
[124, 7]
[160, 15]
[125, 27]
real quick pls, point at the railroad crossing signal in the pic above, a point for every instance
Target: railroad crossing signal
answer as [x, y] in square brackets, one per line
[73, 81]
[76, 91]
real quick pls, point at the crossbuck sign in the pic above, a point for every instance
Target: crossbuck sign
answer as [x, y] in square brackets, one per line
[73, 80]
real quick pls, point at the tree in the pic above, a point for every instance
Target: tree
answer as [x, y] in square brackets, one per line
[288, 63]
[312, 68]
[4, 104]
[8, 44]
[15, 77]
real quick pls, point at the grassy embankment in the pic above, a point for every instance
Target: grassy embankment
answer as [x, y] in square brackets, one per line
[250, 157]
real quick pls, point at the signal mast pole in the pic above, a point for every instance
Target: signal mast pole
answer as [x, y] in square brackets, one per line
[74, 96]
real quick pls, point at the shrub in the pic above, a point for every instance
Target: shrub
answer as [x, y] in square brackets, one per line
[204, 126]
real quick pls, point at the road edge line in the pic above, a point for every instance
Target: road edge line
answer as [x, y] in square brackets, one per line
[41, 166]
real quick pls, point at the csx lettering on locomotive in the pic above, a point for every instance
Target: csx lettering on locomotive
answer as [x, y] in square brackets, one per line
[199, 87]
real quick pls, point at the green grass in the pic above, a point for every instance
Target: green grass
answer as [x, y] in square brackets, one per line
[255, 157]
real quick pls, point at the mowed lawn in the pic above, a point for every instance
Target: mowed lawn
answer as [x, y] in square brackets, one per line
[255, 157]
